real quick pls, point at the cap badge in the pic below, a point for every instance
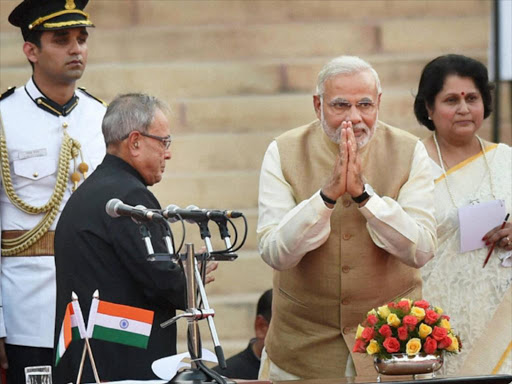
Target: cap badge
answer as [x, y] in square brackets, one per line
[70, 4]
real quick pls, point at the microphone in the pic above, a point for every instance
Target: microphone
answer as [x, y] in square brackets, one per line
[116, 208]
[193, 214]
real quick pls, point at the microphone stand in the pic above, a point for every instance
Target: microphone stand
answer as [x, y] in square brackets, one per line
[146, 237]
[224, 233]
[198, 373]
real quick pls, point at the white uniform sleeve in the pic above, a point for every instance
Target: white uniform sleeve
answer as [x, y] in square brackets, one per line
[287, 231]
[406, 228]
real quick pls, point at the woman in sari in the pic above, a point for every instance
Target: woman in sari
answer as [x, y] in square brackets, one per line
[454, 98]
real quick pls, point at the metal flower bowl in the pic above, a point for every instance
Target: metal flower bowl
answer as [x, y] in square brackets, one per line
[402, 364]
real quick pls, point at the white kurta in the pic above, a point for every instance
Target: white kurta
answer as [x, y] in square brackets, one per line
[456, 282]
[405, 228]
[34, 139]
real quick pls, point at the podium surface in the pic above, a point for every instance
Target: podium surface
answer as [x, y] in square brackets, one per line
[488, 379]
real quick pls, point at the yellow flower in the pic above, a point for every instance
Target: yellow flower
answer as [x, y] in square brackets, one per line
[445, 323]
[438, 310]
[359, 331]
[424, 330]
[418, 312]
[383, 311]
[454, 346]
[393, 320]
[372, 312]
[373, 347]
[413, 346]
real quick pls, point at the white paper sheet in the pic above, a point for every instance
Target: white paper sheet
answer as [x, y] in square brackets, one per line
[478, 219]
[166, 367]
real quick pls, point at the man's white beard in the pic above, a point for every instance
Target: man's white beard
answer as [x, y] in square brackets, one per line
[335, 134]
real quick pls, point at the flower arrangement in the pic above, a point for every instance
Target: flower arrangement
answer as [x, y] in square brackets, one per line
[407, 327]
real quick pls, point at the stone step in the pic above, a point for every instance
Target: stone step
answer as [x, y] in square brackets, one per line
[213, 152]
[215, 42]
[233, 78]
[448, 34]
[130, 13]
[275, 113]
[237, 190]
[196, 12]
[284, 40]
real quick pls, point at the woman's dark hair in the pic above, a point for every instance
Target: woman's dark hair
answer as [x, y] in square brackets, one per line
[433, 77]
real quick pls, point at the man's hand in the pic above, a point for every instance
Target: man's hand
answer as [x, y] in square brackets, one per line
[336, 186]
[210, 267]
[3, 355]
[355, 184]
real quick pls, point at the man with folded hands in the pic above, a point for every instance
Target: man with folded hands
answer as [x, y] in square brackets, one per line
[346, 218]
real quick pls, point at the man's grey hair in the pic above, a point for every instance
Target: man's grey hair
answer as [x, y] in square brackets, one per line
[344, 65]
[130, 112]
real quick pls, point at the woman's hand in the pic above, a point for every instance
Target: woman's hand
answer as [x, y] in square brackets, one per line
[502, 237]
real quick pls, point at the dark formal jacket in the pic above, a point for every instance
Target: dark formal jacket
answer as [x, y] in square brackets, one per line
[243, 365]
[95, 251]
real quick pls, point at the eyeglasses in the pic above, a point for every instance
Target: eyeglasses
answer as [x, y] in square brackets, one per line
[166, 140]
[341, 107]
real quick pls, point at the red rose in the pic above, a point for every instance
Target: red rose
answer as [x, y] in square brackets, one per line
[368, 334]
[439, 333]
[391, 344]
[431, 317]
[371, 320]
[359, 346]
[391, 305]
[385, 330]
[445, 317]
[403, 332]
[422, 304]
[410, 321]
[430, 345]
[444, 343]
[404, 306]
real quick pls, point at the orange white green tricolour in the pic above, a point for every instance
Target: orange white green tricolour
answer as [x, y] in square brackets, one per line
[73, 327]
[119, 323]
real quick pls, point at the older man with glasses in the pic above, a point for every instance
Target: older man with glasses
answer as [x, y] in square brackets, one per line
[94, 251]
[346, 218]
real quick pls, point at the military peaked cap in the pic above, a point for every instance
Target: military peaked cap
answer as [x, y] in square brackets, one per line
[47, 15]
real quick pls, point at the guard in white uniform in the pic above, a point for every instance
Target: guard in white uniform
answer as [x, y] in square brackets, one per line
[50, 140]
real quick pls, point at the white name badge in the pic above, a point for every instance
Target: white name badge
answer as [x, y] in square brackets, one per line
[475, 220]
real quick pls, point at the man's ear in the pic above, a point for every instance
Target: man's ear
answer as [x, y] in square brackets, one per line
[31, 51]
[260, 327]
[317, 104]
[133, 142]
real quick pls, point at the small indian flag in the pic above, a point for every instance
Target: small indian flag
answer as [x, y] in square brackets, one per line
[119, 323]
[73, 327]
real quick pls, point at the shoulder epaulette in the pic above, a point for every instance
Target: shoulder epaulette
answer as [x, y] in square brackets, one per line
[7, 93]
[92, 96]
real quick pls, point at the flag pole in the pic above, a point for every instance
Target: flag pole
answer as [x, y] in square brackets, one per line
[93, 364]
[81, 368]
